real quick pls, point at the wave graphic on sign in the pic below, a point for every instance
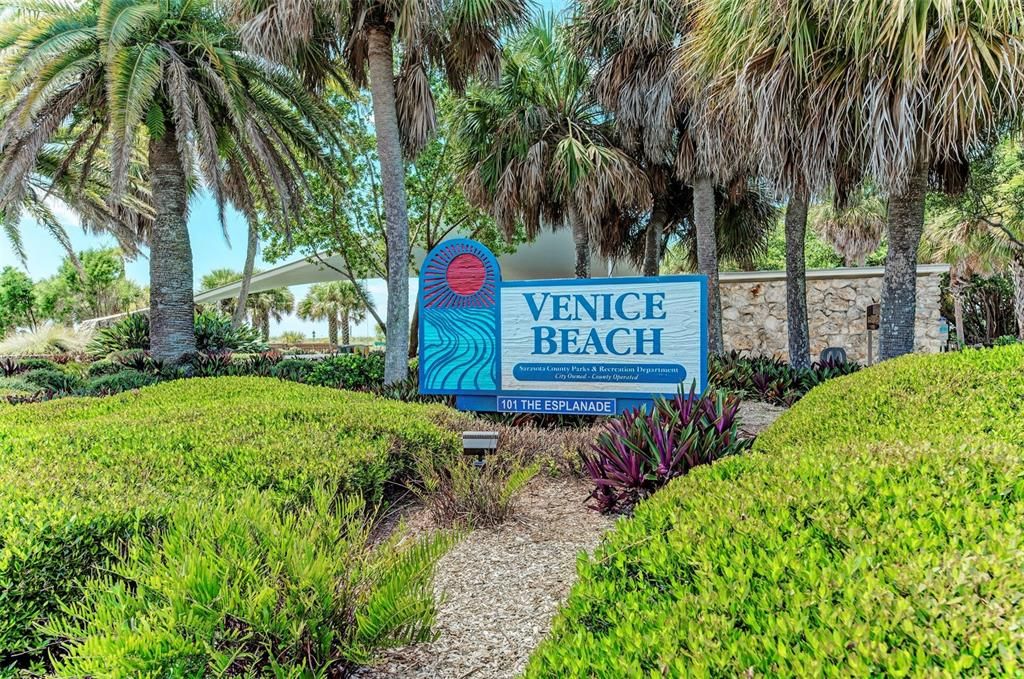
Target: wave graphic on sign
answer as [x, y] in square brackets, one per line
[462, 350]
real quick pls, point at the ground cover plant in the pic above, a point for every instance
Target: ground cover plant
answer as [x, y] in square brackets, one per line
[244, 587]
[874, 530]
[770, 379]
[76, 473]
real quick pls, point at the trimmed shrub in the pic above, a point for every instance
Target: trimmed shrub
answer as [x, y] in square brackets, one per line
[242, 587]
[77, 473]
[639, 452]
[875, 530]
[293, 369]
[26, 364]
[115, 383]
[52, 379]
[348, 371]
[104, 366]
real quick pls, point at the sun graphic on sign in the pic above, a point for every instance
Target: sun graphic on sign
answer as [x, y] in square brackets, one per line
[459, 276]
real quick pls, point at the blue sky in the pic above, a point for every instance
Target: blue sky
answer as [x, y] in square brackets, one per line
[210, 250]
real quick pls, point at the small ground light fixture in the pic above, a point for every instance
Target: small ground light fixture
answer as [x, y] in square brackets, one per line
[479, 443]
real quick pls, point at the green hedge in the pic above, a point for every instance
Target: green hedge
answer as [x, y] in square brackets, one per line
[77, 472]
[876, 530]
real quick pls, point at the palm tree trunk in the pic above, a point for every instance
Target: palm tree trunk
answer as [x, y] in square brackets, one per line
[1017, 273]
[265, 325]
[904, 224]
[250, 262]
[332, 330]
[956, 291]
[707, 257]
[414, 335]
[392, 171]
[171, 303]
[796, 281]
[652, 237]
[581, 239]
[345, 329]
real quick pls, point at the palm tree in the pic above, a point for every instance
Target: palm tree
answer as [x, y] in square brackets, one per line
[538, 149]
[262, 306]
[635, 46]
[324, 301]
[58, 176]
[455, 37]
[352, 307]
[855, 230]
[169, 79]
[982, 229]
[898, 92]
[269, 304]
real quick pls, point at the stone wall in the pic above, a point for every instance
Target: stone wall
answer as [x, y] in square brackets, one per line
[754, 310]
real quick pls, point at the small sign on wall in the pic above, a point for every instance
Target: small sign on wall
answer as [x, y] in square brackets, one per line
[874, 316]
[591, 346]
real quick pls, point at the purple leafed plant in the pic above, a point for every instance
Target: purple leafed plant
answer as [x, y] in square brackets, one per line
[640, 452]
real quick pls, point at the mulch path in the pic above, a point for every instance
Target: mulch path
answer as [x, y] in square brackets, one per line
[500, 588]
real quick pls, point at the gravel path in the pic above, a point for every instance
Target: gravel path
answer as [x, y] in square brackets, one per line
[500, 588]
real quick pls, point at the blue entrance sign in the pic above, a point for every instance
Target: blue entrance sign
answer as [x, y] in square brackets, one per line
[558, 346]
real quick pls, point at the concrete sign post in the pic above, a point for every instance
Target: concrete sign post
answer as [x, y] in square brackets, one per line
[587, 347]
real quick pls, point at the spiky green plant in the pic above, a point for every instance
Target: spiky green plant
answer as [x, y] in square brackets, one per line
[242, 586]
[171, 77]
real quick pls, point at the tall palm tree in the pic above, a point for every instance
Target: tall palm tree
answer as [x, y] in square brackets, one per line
[634, 46]
[538, 149]
[456, 38]
[903, 93]
[170, 77]
[730, 63]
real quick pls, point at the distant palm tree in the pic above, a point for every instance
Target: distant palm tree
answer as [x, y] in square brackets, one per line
[353, 309]
[170, 77]
[269, 304]
[454, 38]
[539, 149]
[262, 306]
[855, 230]
[336, 302]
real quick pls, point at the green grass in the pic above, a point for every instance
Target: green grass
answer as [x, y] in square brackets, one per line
[77, 473]
[876, 530]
